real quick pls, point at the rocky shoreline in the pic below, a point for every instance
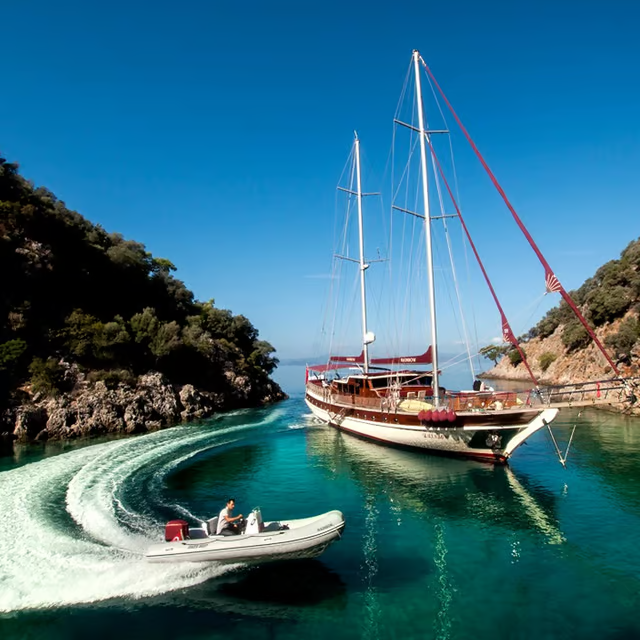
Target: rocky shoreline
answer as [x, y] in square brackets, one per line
[153, 403]
[583, 365]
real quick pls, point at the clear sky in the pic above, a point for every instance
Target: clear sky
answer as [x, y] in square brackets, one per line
[215, 132]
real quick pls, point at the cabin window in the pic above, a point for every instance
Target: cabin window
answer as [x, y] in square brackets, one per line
[379, 383]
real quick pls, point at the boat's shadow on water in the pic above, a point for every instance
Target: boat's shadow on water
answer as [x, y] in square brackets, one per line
[278, 590]
[292, 583]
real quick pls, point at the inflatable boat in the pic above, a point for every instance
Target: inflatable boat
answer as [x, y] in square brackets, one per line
[259, 541]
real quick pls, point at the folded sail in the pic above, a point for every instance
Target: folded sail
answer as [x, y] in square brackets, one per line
[425, 358]
[352, 359]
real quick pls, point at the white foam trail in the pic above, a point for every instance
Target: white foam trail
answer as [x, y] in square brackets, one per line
[68, 536]
[308, 420]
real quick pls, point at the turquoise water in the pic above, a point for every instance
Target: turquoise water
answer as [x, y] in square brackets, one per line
[433, 548]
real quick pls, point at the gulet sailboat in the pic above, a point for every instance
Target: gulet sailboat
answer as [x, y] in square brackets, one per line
[399, 400]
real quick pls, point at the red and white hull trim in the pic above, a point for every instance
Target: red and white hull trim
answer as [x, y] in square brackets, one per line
[459, 441]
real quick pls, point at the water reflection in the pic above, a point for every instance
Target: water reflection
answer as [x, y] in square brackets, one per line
[607, 444]
[370, 551]
[445, 489]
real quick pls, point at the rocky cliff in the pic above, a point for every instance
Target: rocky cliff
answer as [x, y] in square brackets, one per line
[98, 336]
[152, 404]
[560, 351]
[552, 363]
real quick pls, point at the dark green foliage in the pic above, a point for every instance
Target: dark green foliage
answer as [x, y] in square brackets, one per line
[73, 292]
[525, 337]
[10, 354]
[261, 357]
[546, 359]
[12, 358]
[609, 294]
[608, 303]
[554, 318]
[47, 376]
[493, 352]
[514, 357]
[575, 336]
[113, 377]
[626, 337]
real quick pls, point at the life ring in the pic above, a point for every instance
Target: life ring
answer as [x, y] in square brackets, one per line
[177, 539]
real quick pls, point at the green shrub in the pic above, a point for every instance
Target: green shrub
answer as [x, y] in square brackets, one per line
[10, 354]
[546, 359]
[607, 295]
[575, 336]
[554, 318]
[514, 357]
[47, 376]
[493, 352]
[112, 378]
[607, 303]
[626, 337]
[549, 323]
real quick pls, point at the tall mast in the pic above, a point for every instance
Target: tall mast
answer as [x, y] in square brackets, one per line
[427, 230]
[363, 265]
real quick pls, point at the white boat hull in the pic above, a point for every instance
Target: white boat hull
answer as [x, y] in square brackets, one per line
[447, 440]
[304, 538]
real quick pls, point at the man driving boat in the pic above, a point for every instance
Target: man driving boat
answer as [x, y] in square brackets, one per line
[227, 521]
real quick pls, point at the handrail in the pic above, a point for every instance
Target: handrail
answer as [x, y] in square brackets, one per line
[563, 395]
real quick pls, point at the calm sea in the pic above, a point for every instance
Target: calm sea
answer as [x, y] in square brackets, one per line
[433, 548]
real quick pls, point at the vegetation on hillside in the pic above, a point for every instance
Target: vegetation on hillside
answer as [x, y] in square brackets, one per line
[74, 293]
[613, 292]
[608, 295]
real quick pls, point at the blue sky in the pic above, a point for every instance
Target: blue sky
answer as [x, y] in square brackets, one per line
[215, 133]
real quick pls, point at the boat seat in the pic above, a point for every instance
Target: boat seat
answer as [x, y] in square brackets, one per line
[229, 532]
[197, 534]
[210, 526]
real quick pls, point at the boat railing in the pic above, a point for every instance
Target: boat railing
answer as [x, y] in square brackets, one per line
[594, 392]
[566, 395]
[620, 390]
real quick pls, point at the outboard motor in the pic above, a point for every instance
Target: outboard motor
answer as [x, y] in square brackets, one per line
[176, 530]
[254, 522]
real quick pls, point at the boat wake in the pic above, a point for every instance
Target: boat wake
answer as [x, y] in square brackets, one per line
[76, 524]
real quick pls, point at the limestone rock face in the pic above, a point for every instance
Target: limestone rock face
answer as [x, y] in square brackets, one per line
[93, 409]
[195, 404]
[29, 422]
[583, 365]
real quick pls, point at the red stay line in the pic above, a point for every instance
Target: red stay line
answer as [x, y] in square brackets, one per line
[506, 327]
[548, 272]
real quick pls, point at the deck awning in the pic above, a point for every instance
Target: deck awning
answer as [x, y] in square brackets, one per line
[340, 362]
[425, 358]
[348, 359]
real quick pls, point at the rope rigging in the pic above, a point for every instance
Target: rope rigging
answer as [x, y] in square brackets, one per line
[551, 280]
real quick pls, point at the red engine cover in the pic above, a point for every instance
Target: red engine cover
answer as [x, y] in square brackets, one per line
[176, 530]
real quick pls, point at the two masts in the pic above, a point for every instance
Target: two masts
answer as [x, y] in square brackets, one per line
[409, 407]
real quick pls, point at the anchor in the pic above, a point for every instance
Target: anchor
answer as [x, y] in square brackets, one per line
[562, 459]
